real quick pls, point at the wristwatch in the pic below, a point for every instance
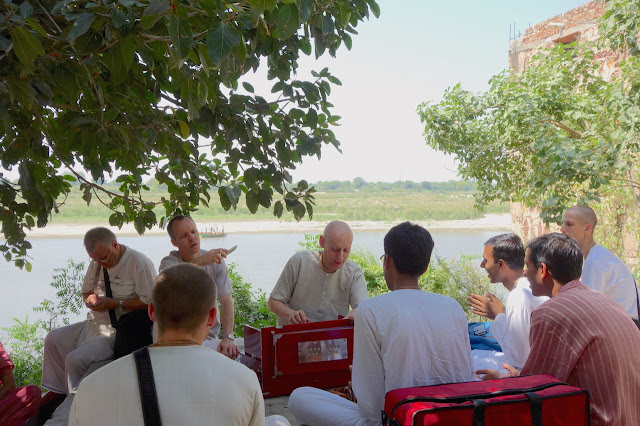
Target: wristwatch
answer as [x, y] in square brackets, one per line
[229, 336]
[121, 305]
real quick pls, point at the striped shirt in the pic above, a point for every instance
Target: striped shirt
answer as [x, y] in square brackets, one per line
[584, 338]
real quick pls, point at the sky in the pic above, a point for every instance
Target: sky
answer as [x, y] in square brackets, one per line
[412, 54]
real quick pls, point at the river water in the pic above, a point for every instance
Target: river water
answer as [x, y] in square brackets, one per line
[259, 258]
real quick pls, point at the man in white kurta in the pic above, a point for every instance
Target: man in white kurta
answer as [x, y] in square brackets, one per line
[404, 338]
[70, 350]
[185, 237]
[320, 286]
[602, 270]
[194, 385]
[503, 259]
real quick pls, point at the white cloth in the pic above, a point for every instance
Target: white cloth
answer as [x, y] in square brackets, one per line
[322, 296]
[194, 386]
[511, 329]
[70, 350]
[603, 271]
[402, 339]
[220, 276]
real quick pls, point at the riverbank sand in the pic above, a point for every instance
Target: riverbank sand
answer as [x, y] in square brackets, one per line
[498, 222]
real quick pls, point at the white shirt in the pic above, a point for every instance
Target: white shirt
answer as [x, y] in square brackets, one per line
[604, 272]
[511, 329]
[194, 385]
[407, 338]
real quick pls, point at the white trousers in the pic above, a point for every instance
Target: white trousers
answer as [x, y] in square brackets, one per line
[68, 353]
[316, 407]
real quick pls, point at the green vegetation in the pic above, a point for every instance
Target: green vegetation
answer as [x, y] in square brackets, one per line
[249, 306]
[377, 201]
[163, 88]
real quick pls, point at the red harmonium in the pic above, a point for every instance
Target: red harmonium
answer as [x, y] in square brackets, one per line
[314, 354]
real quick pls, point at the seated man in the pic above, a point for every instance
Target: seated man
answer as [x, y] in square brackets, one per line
[184, 235]
[320, 286]
[194, 385]
[581, 336]
[70, 350]
[602, 271]
[404, 338]
[503, 259]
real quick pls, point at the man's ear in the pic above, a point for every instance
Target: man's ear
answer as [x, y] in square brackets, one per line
[544, 271]
[321, 241]
[211, 318]
[174, 242]
[152, 312]
[502, 263]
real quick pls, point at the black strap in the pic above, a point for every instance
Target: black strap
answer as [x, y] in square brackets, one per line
[479, 407]
[536, 408]
[637, 321]
[107, 287]
[148, 397]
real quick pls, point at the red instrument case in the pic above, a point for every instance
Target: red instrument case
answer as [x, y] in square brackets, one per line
[519, 401]
[314, 354]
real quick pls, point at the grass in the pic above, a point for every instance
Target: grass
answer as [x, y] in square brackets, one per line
[379, 206]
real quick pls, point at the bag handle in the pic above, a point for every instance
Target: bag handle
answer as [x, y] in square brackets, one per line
[146, 383]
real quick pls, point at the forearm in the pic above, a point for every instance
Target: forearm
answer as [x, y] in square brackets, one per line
[226, 313]
[132, 304]
[279, 308]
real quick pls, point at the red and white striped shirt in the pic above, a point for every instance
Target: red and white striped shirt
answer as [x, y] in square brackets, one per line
[584, 338]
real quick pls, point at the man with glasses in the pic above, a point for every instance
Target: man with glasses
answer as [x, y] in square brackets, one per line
[70, 350]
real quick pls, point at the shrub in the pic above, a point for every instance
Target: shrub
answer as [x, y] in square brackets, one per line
[249, 306]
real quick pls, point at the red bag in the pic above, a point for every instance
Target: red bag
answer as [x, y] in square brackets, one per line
[520, 401]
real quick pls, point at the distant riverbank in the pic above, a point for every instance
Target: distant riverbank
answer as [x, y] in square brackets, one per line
[498, 222]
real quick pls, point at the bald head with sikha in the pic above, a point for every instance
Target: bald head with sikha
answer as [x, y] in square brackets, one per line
[579, 222]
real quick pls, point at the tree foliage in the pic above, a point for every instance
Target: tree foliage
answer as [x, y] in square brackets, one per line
[556, 134]
[130, 88]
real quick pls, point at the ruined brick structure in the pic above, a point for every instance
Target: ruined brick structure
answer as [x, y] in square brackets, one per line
[579, 24]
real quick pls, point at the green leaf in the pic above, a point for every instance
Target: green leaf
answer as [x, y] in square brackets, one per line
[252, 202]
[344, 14]
[264, 197]
[374, 8]
[298, 210]
[36, 27]
[225, 202]
[184, 129]
[127, 50]
[262, 5]
[221, 39]
[248, 87]
[81, 25]
[26, 45]
[26, 10]
[278, 209]
[181, 36]
[287, 22]
[306, 8]
[156, 7]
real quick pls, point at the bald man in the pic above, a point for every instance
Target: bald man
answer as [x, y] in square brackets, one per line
[320, 286]
[602, 271]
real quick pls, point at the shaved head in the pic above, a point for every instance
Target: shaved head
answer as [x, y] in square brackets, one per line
[336, 244]
[585, 214]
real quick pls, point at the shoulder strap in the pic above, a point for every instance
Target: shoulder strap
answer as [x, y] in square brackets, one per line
[107, 288]
[148, 397]
[637, 303]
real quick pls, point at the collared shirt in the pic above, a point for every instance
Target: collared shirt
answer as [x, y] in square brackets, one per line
[322, 296]
[407, 338]
[583, 338]
[603, 271]
[511, 329]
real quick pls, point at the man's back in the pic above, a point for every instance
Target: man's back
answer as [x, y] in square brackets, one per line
[582, 337]
[407, 338]
[195, 386]
[603, 271]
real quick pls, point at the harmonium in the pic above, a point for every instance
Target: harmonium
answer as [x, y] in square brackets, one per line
[287, 357]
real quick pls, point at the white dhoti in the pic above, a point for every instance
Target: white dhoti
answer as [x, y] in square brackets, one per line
[68, 353]
[276, 420]
[312, 406]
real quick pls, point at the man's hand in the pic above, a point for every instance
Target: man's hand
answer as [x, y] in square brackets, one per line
[488, 306]
[351, 315]
[228, 348]
[211, 257]
[91, 301]
[103, 303]
[489, 374]
[298, 317]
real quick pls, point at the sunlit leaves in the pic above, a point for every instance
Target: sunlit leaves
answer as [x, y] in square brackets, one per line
[26, 46]
[221, 39]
